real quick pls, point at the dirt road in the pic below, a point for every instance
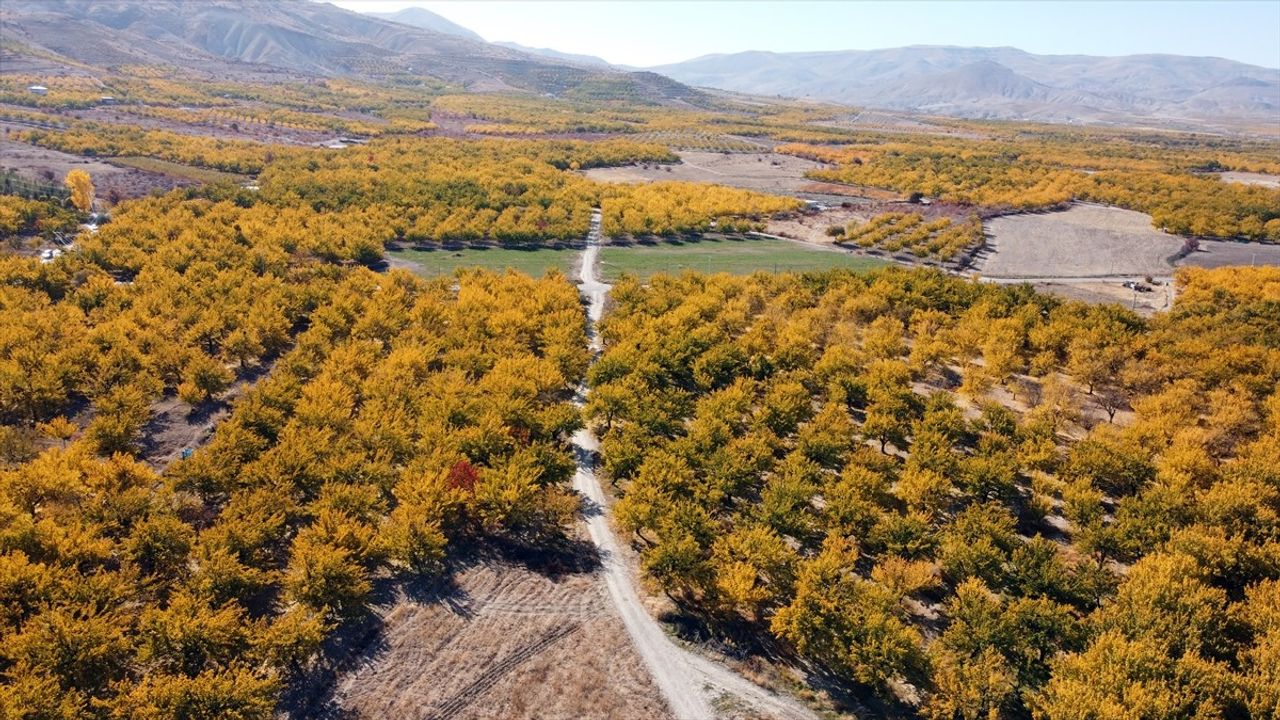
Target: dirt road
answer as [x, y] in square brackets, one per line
[689, 683]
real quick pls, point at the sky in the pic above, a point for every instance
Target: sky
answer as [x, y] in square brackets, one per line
[654, 32]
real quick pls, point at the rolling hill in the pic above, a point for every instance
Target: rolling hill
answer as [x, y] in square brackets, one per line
[423, 18]
[427, 20]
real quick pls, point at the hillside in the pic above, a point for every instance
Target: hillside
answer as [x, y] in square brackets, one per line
[427, 20]
[296, 37]
[571, 58]
[1000, 82]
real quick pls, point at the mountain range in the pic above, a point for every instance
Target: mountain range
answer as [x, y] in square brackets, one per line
[423, 18]
[1000, 82]
[241, 38]
[303, 37]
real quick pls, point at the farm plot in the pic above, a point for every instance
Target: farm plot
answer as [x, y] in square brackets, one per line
[763, 172]
[910, 233]
[1219, 253]
[813, 226]
[700, 141]
[43, 165]
[1248, 178]
[505, 642]
[178, 170]
[1084, 241]
[432, 263]
[736, 256]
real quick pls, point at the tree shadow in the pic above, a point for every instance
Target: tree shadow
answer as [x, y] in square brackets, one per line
[750, 645]
[314, 694]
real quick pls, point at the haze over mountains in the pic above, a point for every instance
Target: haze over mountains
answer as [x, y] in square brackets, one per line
[423, 18]
[1000, 82]
[1004, 83]
[305, 37]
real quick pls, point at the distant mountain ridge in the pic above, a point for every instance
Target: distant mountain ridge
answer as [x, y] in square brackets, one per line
[1002, 82]
[575, 58]
[310, 38]
[305, 38]
[427, 20]
[423, 18]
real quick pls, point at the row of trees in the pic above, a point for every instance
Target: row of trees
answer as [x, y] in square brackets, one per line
[401, 419]
[408, 418]
[894, 232]
[908, 478]
[177, 294]
[81, 137]
[19, 216]
[241, 116]
[673, 208]
[445, 190]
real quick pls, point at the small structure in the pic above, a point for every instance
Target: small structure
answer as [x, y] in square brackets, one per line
[106, 100]
[38, 90]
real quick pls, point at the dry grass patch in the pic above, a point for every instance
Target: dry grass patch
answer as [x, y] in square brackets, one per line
[812, 227]
[508, 642]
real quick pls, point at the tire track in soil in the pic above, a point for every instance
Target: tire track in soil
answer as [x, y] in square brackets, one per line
[478, 687]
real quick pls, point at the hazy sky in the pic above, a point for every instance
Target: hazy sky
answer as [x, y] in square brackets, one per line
[653, 32]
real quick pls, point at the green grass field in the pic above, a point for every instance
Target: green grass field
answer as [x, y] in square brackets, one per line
[738, 257]
[533, 262]
[187, 172]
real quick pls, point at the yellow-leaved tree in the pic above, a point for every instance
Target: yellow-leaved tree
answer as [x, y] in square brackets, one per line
[81, 186]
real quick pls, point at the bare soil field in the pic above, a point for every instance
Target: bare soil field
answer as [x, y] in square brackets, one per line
[1218, 253]
[1249, 178]
[1084, 241]
[44, 165]
[1100, 292]
[812, 227]
[504, 641]
[764, 172]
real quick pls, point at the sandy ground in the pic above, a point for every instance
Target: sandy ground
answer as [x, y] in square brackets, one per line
[1218, 253]
[1084, 241]
[1249, 178]
[765, 172]
[44, 165]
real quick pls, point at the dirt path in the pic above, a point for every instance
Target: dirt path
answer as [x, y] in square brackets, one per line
[176, 427]
[689, 683]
